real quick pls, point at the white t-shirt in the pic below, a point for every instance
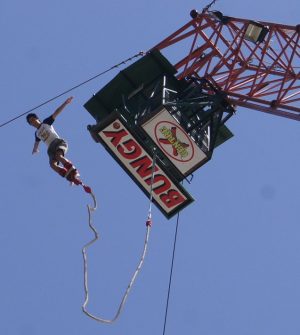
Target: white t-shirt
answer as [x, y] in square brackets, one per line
[46, 131]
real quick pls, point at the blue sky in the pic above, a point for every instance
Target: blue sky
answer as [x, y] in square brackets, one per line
[237, 265]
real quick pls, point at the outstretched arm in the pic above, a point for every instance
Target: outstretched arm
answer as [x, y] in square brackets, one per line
[36, 147]
[61, 107]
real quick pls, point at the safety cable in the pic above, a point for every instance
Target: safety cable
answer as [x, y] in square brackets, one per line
[171, 274]
[206, 8]
[96, 236]
[141, 53]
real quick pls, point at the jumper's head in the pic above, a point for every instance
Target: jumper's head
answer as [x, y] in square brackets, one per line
[33, 120]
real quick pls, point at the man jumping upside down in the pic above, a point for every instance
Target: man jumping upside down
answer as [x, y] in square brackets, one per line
[57, 147]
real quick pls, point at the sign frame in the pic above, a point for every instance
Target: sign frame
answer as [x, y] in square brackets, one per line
[175, 189]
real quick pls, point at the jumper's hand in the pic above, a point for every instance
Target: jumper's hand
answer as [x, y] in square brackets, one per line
[69, 100]
[61, 107]
[35, 149]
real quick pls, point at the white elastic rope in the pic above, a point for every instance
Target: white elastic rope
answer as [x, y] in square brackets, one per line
[152, 181]
[126, 294]
[140, 264]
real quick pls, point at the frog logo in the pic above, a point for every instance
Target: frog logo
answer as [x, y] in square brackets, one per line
[174, 142]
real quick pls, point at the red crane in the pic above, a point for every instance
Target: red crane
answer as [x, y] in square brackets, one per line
[256, 64]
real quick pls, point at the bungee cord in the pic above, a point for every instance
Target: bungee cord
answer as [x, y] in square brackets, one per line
[149, 219]
[141, 53]
[138, 268]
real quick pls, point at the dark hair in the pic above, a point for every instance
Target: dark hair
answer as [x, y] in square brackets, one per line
[30, 116]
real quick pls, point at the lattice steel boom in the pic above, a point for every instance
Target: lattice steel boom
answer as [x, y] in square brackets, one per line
[256, 64]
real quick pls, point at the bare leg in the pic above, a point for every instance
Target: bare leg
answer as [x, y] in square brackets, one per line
[60, 170]
[61, 158]
[73, 176]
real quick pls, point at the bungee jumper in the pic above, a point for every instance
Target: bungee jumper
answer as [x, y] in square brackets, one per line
[57, 147]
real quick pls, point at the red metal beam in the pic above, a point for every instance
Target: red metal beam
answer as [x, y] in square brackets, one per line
[263, 76]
